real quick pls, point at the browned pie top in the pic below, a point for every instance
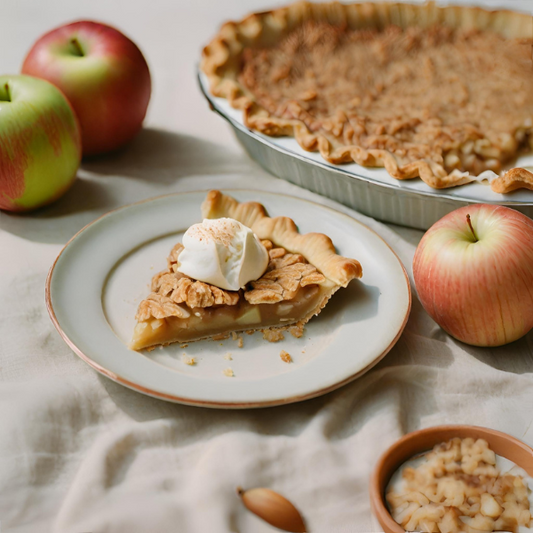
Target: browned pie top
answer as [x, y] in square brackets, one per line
[286, 273]
[462, 99]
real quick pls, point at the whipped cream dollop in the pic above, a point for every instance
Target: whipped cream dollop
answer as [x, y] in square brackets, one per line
[222, 252]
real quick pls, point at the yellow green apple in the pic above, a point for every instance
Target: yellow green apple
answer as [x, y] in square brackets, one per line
[40, 143]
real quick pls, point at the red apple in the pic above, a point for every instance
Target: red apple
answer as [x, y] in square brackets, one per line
[40, 143]
[102, 73]
[473, 272]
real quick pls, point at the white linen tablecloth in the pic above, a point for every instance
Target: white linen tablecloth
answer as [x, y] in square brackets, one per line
[79, 453]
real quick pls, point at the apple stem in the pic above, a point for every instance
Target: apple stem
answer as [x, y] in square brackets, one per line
[8, 94]
[471, 228]
[77, 46]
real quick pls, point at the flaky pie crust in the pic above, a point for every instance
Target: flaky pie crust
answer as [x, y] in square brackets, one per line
[317, 248]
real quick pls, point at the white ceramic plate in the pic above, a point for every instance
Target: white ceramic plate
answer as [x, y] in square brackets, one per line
[102, 274]
[473, 192]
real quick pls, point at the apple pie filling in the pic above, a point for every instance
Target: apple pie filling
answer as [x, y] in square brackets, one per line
[180, 309]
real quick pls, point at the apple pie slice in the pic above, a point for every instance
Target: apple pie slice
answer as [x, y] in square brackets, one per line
[302, 273]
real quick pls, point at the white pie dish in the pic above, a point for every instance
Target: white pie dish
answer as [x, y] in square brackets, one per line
[101, 275]
[371, 191]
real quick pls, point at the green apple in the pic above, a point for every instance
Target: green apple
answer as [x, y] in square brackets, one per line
[40, 143]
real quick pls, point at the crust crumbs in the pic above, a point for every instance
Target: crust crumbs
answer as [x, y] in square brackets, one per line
[228, 372]
[191, 361]
[285, 356]
[297, 330]
[237, 337]
[273, 335]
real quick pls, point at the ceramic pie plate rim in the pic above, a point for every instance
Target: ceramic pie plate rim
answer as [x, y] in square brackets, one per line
[224, 404]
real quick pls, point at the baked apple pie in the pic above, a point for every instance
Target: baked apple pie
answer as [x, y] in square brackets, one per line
[440, 93]
[240, 270]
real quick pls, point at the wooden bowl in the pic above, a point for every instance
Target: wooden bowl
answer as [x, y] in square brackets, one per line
[424, 440]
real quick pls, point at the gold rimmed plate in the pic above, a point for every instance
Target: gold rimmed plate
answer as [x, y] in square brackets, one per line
[96, 283]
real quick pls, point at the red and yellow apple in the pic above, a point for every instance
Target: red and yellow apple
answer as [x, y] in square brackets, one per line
[103, 74]
[40, 143]
[473, 272]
